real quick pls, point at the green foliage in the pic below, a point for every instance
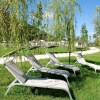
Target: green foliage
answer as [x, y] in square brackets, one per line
[14, 16]
[97, 41]
[64, 14]
[97, 20]
[84, 34]
[63, 21]
[37, 16]
[97, 25]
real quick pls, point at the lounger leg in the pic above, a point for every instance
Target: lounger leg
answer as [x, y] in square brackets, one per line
[31, 69]
[74, 72]
[95, 71]
[69, 95]
[12, 84]
[66, 79]
[48, 63]
[8, 89]
[75, 62]
[28, 71]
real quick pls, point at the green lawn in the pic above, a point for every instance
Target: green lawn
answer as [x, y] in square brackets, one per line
[41, 50]
[83, 87]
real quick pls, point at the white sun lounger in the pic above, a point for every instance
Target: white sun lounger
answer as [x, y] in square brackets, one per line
[82, 61]
[53, 60]
[37, 66]
[22, 80]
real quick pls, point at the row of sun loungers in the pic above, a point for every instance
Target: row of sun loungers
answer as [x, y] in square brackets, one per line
[24, 80]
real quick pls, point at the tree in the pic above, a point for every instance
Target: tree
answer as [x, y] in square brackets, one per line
[97, 25]
[18, 20]
[64, 18]
[13, 17]
[37, 18]
[84, 35]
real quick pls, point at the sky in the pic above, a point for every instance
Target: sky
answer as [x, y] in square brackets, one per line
[86, 16]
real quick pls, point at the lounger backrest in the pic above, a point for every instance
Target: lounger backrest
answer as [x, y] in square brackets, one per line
[34, 61]
[16, 72]
[80, 58]
[52, 57]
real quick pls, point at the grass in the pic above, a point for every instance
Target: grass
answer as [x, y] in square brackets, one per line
[83, 87]
[41, 50]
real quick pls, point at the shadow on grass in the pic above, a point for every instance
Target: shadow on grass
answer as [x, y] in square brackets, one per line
[52, 76]
[52, 92]
[97, 63]
[90, 72]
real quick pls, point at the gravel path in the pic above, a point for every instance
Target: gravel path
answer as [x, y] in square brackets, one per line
[19, 59]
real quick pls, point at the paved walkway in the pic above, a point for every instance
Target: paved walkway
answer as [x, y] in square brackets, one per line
[19, 59]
